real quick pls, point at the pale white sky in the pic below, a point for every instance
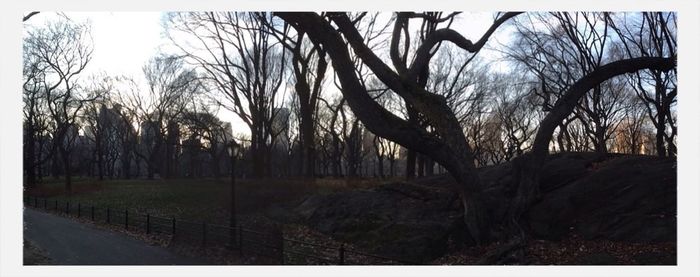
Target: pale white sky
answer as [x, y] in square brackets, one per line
[125, 41]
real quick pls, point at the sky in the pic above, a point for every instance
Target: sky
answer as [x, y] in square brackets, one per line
[124, 41]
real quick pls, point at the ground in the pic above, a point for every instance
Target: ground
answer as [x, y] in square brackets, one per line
[188, 199]
[573, 250]
[266, 204]
[32, 255]
[206, 200]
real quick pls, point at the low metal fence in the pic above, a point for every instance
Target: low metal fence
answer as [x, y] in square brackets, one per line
[271, 244]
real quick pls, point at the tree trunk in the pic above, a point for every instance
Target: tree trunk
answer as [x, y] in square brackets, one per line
[660, 132]
[150, 168]
[216, 166]
[421, 166]
[429, 167]
[126, 168]
[100, 164]
[410, 164]
[30, 157]
[67, 168]
[600, 146]
[307, 137]
[336, 157]
[55, 170]
[475, 216]
[411, 153]
[257, 153]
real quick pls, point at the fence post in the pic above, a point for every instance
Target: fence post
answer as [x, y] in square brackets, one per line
[108, 215]
[35, 202]
[92, 213]
[204, 234]
[174, 226]
[45, 204]
[232, 237]
[341, 254]
[78, 209]
[55, 207]
[126, 219]
[148, 223]
[67, 207]
[280, 243]
[240, 239]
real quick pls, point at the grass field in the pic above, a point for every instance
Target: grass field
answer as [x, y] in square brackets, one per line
[190, 199]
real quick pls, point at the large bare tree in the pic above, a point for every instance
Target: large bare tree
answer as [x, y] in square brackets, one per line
[447, 145]
[243, 63]
[309, 69]
[652, 35]
[61, 50]
[170, 87]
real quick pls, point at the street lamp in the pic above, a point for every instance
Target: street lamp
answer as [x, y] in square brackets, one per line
[232, 149]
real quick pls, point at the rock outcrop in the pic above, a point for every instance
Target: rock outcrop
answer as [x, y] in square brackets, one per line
[600, 196]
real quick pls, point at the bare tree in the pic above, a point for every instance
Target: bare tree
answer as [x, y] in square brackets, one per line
[562, 49]
[35, 119]
[629, 137]
[517, 115]
[309, 69]
[170, 87]
[448, 147]
[95, 124]
[126, 134]
[203, 124]
[392, 154]
[652, 35]
[334, 147]
[62, 50]
[243, 63]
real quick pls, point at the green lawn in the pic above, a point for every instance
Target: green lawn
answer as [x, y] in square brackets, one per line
[190, 199]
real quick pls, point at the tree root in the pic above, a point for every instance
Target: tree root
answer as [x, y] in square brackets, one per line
[512, 253]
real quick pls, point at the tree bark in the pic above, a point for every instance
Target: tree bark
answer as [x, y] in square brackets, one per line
[421, 166]
[30, 155]
[410, 164]
[429, 167]
[67, 168]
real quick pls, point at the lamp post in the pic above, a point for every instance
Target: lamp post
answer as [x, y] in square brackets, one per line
[233, 151]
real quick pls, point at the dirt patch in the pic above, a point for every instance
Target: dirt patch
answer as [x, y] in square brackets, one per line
[32, 255]
[574, 250]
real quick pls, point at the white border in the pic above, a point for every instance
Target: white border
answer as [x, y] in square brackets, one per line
[11, 156]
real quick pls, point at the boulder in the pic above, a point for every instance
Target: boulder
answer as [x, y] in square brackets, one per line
[399, 220]
[630, 198]
[600, 196]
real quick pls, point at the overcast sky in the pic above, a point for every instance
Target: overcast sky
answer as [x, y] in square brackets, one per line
[125, 41]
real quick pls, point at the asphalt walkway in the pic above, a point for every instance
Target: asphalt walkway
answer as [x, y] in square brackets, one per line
[67, 242]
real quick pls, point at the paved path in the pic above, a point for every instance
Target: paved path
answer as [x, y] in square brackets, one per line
[67, 242]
